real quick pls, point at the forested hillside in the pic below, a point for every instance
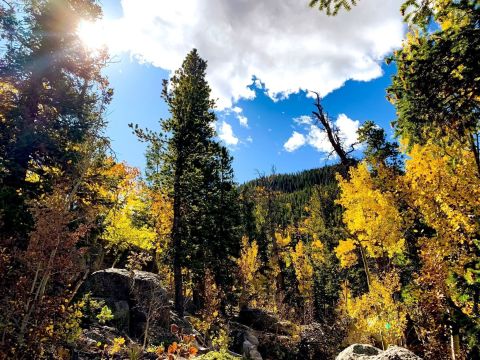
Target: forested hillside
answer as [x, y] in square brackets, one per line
[294, 191]
[289, 183]
[101, 260]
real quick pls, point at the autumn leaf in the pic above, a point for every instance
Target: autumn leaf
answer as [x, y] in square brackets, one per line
[192, 351]
[173, 348]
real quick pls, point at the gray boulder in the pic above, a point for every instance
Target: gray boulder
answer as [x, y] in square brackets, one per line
[127, 294]
[369, 352]
[244, 341]
[250, 351]
[397, 353]
[263, 321]
[358, 351]
[320, 341]
[120, 284]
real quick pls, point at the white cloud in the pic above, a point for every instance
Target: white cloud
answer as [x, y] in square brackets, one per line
[258, 84]
[296, 141]
[318, 139]
[249, 139]
[243, 120]
[225, 133]
[285, 45]
[348, 129]
[303, 120]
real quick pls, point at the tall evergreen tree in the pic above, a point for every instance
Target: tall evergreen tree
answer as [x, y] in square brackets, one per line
[58, 95]
[225, 238]
[190, 127]
[178, 159]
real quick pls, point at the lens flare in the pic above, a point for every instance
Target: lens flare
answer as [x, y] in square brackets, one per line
[94, 34]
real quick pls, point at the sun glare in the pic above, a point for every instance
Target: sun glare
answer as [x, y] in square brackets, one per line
[93, 34]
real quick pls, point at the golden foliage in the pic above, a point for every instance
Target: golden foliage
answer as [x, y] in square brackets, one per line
[370, 215]
[444, 187]
[303, 270]
[162, 211]
[441, 190]
[118, 345]
[249, 264]
[345, 252]
[130, 198]
[376, 314]
[8, 94]
[283, 240]
[122, 232]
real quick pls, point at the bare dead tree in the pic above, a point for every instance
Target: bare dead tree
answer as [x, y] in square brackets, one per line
[333, 133]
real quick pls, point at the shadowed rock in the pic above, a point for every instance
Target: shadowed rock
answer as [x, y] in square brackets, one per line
[125, 292]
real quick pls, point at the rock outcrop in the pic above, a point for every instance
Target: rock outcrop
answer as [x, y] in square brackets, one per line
[126, 294]
[320, 341]
[369, 352]
[397, 353]
[250, 347]
[120, 284]
[263, 321]
[245, 341]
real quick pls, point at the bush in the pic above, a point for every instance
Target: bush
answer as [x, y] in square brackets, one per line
[218, 355]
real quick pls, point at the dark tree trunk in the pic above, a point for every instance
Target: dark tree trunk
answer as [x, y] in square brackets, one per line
[199, 294]
[177, 244]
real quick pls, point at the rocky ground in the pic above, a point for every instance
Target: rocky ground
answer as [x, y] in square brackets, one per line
[139, 303]
[368, 352]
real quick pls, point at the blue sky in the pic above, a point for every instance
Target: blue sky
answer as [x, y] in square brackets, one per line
[269, 109]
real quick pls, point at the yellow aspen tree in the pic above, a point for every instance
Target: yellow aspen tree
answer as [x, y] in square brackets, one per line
[375, 314]
[376, 228]
[303, 269]
[248, 265]
[123, 198]
[161, 211]
[304, 274]
[371, 217]
[122, 232]
[442, 185]
[445, 189]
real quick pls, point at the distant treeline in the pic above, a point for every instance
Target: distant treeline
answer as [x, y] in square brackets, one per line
[290, 183]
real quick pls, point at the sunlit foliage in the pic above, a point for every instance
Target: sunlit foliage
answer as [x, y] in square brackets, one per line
[371, 217]
[375, 315]
[249, 265]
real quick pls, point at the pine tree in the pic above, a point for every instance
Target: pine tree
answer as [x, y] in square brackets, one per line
[191, 132]
[225, 239]
[178, 160]
[59, 97]
[332, 7]
[436, 90]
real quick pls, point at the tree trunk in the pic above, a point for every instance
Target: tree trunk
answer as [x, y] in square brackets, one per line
[199, 293]
[177, 243]
[365, 265]
[177, 270]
